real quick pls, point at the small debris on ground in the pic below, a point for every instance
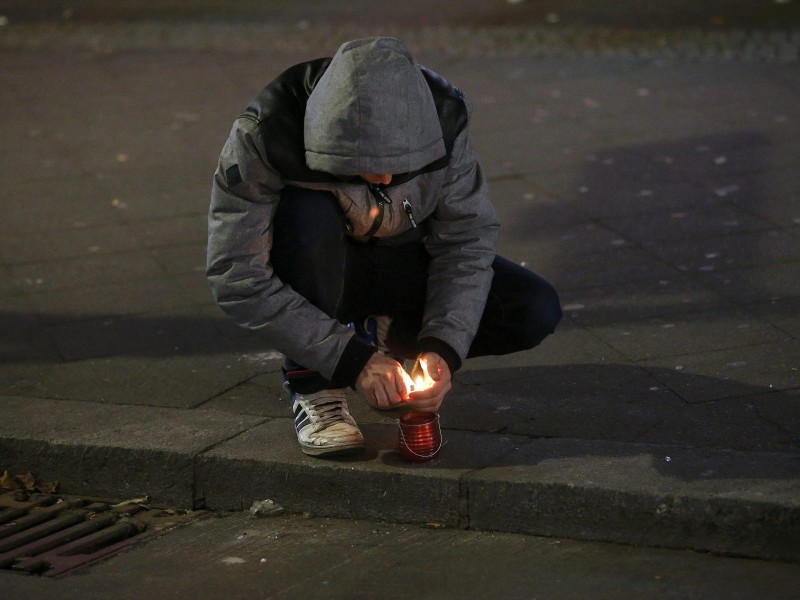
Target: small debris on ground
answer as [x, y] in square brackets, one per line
[28, 482]
[266, 508]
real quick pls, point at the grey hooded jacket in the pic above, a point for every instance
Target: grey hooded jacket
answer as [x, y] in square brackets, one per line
[369, 109]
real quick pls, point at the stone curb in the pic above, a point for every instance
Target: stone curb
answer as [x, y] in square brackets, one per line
[736, 503]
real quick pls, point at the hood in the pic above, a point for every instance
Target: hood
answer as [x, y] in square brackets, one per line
[372, 112]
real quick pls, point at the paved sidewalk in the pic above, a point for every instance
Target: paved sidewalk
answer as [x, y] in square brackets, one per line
[661, 196]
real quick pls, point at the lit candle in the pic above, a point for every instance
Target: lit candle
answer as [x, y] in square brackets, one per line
[420, 436]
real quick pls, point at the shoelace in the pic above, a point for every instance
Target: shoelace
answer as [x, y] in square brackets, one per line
[328, 408]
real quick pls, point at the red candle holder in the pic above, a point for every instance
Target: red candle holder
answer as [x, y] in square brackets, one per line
[420, 436]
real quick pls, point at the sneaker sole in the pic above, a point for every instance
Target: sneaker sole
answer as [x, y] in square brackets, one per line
[319, 451]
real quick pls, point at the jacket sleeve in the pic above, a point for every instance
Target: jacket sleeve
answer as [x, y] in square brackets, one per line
[462, 234]
[244, 197]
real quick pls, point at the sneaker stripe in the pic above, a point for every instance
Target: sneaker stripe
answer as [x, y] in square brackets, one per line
[315, 413]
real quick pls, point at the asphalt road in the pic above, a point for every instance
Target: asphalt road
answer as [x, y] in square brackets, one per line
[241, 557]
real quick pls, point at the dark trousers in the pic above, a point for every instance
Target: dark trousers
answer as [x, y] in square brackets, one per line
[350, 280]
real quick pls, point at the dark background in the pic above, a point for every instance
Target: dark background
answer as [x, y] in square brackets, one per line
[638, 14]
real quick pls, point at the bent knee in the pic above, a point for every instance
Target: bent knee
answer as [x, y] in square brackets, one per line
[542, 316]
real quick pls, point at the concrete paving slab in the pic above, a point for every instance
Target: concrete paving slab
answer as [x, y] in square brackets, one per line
[53, 201]
[730, 373]
[746, 153]
[672, 232]
[598, 191]
[120, 299]
[736, 250]
[546, 211]
[617, 266]
[90, 271]
[769, 407]
[688, 333]
[626, 303]
[115, 451]
[573, 345]
[569, 141]
[165, 231]
[261, 395]
[178, 380]
[182, 259]
[778, 201]
[156, 334]
[622, 415]
[784, 314]
[24, 346]
[148, 193]
[759, 283]
[619, 403]
[554, 242]
[64, 244]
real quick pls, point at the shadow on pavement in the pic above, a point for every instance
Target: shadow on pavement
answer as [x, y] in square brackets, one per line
[81, 337]
[611, 411]
[625, 403]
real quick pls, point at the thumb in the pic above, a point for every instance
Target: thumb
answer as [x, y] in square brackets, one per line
[434, 367]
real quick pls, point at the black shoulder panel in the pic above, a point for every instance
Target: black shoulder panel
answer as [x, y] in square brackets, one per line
[279, 110]
[450, 106]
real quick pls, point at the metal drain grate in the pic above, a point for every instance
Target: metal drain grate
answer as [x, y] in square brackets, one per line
[49, 534]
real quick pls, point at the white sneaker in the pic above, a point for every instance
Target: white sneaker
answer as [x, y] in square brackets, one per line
[324, 424]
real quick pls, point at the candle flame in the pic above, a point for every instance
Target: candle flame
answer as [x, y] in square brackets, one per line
[423, 380]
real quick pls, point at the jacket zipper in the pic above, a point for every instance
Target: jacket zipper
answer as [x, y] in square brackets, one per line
[407, 207]
[381, 198]
[379, 193]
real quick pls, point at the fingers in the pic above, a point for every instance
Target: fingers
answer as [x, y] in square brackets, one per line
[430, 399]
[383, 394]
[425, 405]
[404, 384]
[383, 382]
[431, 364]
[435, 366]
[438, 373]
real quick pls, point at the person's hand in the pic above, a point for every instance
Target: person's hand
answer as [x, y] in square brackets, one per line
[430, 399]
[383, 382]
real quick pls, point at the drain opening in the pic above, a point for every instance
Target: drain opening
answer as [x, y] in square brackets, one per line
[51, 534]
